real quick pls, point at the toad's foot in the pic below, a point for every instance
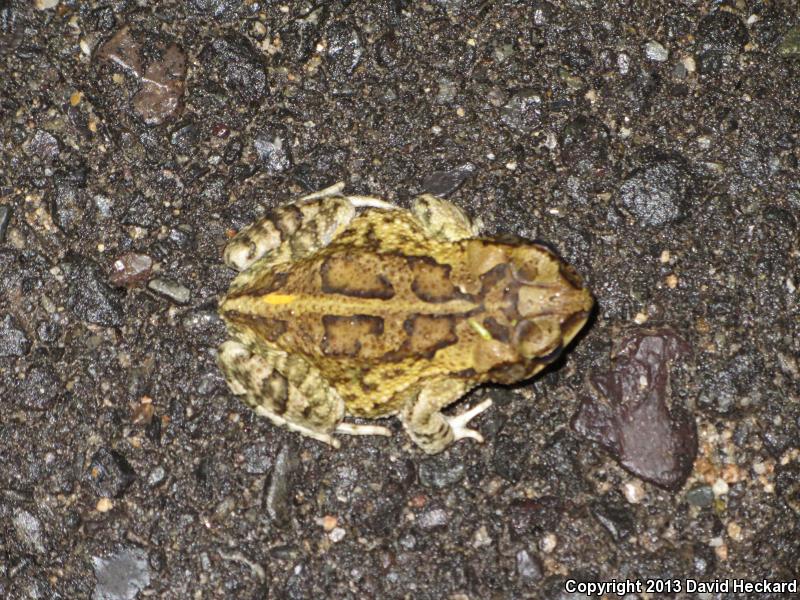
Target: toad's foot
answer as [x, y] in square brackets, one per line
[320, 436]
[355, 429]
[459, 422]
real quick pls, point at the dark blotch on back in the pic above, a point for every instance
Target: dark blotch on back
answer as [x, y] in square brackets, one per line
[355, 275]
[344, 335]
[428, 333]
[432, 280]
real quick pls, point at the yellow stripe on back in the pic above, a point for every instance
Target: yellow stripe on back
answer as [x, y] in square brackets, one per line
[276, 299]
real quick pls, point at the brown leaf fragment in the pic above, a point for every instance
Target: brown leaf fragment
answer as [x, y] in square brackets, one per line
[628, 415]
[123, 50]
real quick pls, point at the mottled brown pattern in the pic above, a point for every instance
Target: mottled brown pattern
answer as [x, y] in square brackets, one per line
[355, 275]
[287, 220]
[345, 336]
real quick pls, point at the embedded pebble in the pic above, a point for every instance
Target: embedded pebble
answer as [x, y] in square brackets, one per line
[633, 491]
[174, 291]
[344, 49]
[441, 472]
[615, 516]
[89, 297]
[40, 389]
[43, 145]
[156, 477]
[257, 458]
[431, 519]
[203, 322]
[5, 219]
[67, 207]
[122, 50]
[239, 65]
[104, 206]
[28, 530]
[279, 486]
[122, 575]
[655, 51]
[442, 183]
[447, 91]
[272, 148]
[790, 43]
[161, 95]
[13, 341]
[656, 194]
[109, 473]
[131, 268]
[529, 568]
[720, 487]
[701, 495]
[523, 111]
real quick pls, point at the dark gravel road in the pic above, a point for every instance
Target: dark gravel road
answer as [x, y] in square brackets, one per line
[657, 148]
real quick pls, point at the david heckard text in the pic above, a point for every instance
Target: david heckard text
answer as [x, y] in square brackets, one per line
[622, 587]
[741, 586]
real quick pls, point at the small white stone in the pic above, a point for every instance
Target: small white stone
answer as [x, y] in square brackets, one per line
[337, 534]
[720, 487]
[548, 543]
[704, 142]
[45, 4]
[623, 63]
[481, 537]
[655, 51]
[633, 491]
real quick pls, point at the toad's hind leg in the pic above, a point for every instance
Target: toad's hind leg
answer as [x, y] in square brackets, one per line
[285, 389]
[443, 220]
[428, 427]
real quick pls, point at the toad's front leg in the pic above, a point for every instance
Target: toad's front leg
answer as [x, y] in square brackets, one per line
[428, 427]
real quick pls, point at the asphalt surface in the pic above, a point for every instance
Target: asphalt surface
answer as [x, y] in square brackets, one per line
[656, 148]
